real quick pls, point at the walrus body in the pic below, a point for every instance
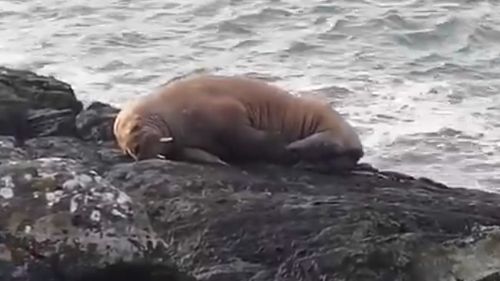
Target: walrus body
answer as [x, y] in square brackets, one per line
[223, 119]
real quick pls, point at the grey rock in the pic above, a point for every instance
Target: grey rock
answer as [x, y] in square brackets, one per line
[9, 151]
[41, 92]
[32, 105]
[97, 157]
[96, 122]
[75, 208]
[60, 220]
[270, 223]
[50, 122]
[476, 257]
[13, 115]
[69, 218]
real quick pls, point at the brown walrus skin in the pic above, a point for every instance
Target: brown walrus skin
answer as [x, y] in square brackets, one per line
[231, 119]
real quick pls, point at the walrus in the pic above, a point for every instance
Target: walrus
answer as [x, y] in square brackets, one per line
[210, 118]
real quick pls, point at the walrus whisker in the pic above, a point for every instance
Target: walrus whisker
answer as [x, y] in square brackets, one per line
[166, 139]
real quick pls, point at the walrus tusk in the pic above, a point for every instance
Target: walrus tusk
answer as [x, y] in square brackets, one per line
[129, 152]
[160, 156]
[167, 139]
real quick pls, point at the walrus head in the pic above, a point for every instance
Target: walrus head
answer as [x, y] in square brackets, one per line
[141, 138]
[149, 144]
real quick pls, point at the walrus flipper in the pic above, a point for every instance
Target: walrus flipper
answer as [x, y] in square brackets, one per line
[323, 150]
[318, 146]
[200, 156]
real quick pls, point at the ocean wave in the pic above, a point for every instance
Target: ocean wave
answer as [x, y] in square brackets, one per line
[447, 34]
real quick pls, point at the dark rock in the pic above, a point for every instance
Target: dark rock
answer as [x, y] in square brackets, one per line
[135, 271]
[50, 122]
[75, 208]
[269, 223]
[33, 105]
[41, 92]
[97, 157]
[13, 115]
[96, 122]
[492, 277]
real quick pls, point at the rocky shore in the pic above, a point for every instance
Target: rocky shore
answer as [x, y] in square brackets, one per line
[74, 208]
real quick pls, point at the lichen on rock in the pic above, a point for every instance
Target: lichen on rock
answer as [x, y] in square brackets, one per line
[69, 213]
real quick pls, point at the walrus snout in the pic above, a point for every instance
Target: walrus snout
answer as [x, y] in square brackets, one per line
[150, 144]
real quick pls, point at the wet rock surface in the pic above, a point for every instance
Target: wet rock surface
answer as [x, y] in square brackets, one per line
[74, 208]
[32, 105]
[96, 122]
[41, 92]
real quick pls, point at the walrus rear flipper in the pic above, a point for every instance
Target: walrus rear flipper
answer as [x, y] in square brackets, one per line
[200, 156]
[315, 147]
[322, 149]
